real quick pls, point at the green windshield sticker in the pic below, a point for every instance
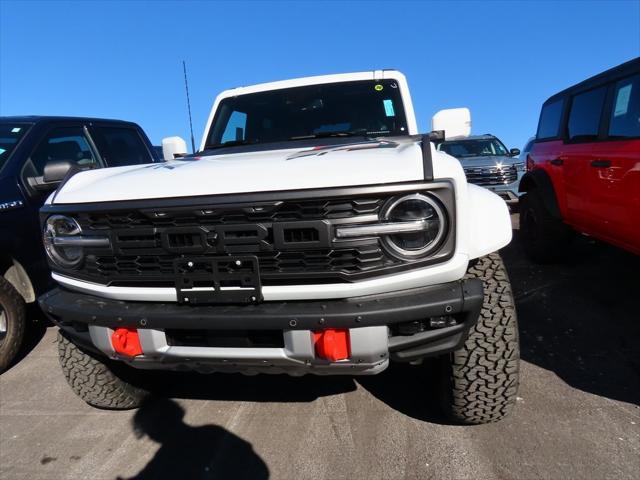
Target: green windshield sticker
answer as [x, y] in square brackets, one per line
[622, 101]
[388, 107]
[378, 88]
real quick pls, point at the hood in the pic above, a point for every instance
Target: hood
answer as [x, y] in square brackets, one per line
[348, 164]
[488, 160]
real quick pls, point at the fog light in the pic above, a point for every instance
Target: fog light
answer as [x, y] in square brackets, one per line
[126, 342]
[332, 344]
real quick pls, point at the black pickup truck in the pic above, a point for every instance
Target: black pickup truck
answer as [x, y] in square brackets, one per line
[36, 154]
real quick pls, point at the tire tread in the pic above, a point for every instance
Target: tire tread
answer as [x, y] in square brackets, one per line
[15, 311]
[94, 381]
[484, 374]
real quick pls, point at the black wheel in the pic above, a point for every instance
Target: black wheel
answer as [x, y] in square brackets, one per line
[545, 238]
[480, 381]
[98, 382]
[12, 323]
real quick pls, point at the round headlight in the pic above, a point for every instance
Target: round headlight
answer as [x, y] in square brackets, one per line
[56, 227]
[410, 208]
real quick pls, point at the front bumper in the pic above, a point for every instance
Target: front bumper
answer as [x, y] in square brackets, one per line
[374, 323]
[509, 193]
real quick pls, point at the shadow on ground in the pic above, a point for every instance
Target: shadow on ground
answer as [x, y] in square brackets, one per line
[580, 319]
[204, 452]
[238, 387]
[405, 388]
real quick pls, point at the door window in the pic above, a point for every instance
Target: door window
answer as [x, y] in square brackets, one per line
[625, 114]
[121, 146]
[586, 111]
[549, 124]
[66, 143]
[10, 136]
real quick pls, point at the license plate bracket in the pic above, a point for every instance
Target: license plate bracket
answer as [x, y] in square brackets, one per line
[218, 280]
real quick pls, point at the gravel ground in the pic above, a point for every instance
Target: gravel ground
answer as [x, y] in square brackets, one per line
[578, 411]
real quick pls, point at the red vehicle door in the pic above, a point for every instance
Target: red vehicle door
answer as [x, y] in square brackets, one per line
[585, 197]
[547, 152]
[615, 167]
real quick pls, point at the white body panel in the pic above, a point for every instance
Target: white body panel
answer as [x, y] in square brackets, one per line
[273, 170]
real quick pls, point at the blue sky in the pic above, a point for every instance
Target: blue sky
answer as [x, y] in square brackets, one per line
[123, 59]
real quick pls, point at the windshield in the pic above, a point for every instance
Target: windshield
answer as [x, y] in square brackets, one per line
[10, 135]
[474, 148]
[367, 108]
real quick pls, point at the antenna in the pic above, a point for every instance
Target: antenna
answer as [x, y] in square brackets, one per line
[186, 86]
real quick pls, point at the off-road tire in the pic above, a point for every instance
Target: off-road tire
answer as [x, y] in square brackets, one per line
[95, 381]
[480, 380]
[545, 237]
[15, 314]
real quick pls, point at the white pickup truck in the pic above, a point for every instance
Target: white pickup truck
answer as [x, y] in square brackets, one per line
[314, 231]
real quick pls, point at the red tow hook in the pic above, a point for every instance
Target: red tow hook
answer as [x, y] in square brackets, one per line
[126, 342]
[332, 344]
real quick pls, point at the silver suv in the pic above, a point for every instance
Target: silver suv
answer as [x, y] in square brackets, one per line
[488, 163]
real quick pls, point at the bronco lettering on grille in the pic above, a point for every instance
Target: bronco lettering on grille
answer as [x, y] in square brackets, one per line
[229, 239]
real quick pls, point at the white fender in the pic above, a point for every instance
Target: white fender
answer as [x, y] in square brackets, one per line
[489, 222]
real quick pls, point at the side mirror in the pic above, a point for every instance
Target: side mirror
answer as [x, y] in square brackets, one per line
[54, 172]
[514, 152]
[173, 147]
[456, 122]
[57, 170]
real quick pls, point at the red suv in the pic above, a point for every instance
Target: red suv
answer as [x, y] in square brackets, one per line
[583, 171]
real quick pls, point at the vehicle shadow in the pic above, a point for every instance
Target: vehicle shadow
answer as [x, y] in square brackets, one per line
[406, 388]
[257, 388]
[580, 318]
[410, 390]
[204, 452]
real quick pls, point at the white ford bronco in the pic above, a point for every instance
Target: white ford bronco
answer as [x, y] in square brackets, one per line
[314, 231]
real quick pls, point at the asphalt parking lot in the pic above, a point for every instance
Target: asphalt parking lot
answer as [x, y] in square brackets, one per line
[578, 412]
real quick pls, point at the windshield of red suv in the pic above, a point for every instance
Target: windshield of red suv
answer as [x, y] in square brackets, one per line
[10, 135]
[356, 108]
[474, 148]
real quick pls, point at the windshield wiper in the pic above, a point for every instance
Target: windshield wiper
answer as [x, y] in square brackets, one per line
[231, 143]
[361, 132]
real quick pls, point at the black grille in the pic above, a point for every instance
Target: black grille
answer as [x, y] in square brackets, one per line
[158, 270]
[233, 214]
[292, 241]
[491, 175]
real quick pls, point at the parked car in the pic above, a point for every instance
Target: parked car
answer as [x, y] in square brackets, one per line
[526, 149]
[584, 167]
[488, 163]
[157, 151]
[35, 155]
[317, 232]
